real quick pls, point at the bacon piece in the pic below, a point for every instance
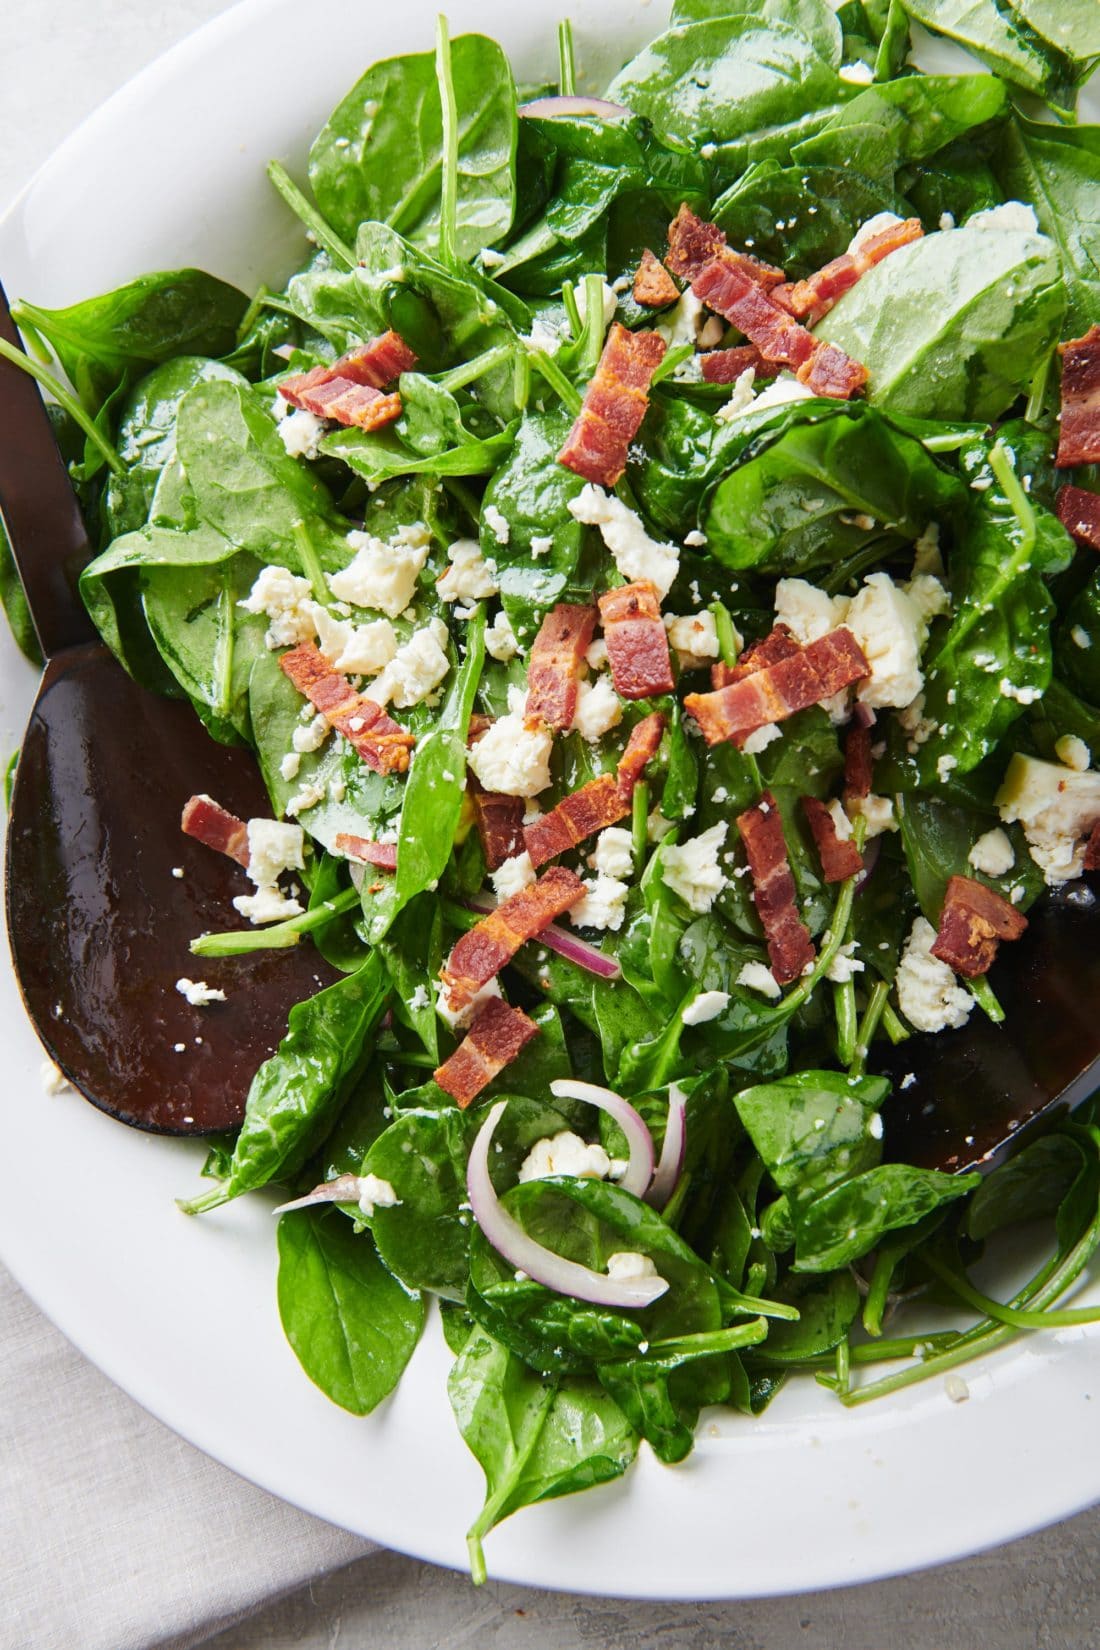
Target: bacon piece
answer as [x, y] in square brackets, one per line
[349, 390]
[814, 297]
[790, 948]
[377, 363]
[581, 814]
[382, 743]
[805, 678]
[1079, 431]
[641, 748]
[637, 642]
[829, 372]
[299, 384]
[858, 762]
[653, 285]
[973, 922]
[556, 658]
[727, 288]
[1079, 512]
[382, 855]
[362, 408]
[1092, 849]
[615, 403]
[772, 649]
[497, 1035]
[839, 856]
[725, 366]
[499, 823]
[208, 822]
[483, 951]
[692, 244]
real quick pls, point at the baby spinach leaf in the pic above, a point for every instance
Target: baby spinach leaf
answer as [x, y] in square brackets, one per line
[431, 418]
[1030, 1186]
[534, 1439]
[753, 85]
[377, 457]
[938, 836]
[380, 153]
[424, 1238]
[352, 1325]
[800, 216]
[953, 325]
[847, 1221]
[205, 640]
[108, 341]
[296, 1092]
[815, 19]
[1071, 26]
[827, 1307]
[1077, 641]
[1057, 169]
[14, 600]
[1002, 38]
[822, 491]
[902, 120]
[813, 1129]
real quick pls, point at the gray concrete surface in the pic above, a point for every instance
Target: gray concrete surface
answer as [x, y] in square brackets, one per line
[60, 59]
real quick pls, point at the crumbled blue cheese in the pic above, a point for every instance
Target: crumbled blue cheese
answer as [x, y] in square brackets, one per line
[877, 812]
[872, 226]
[635, 554]
[308, 797]
[596, 655]
[415, 670]
[683, 323]
[513, 757]
[691, 869]
[761, 738]
[515, 874]
[301, 432]
[1015, 216]
[657, 826]
[614, 852]
[1073, 752]
[708, 1005]
[782, 390]
[856, 74]
[500, 639]
[287, 601]
[808, 613]
[288, 767]
[310, 736]
[198, 993]
[603, 905]
[1057, 807]
[845, 965]
[52, 1078]
[383, 576]
[927, 557]
[756, 976]
[742, 396]
[928, 994]
[891, 629]
[471, 577]
[496, 524]
[375, 1193]
[541, 544]
[842, 825]
[992, 854]
[599, 709]
[608, 299]
[627, 1266]
[694, 636]
[565, 1153]
[1080, 636]
[357, 649]
[459, 1018]
[273, 848]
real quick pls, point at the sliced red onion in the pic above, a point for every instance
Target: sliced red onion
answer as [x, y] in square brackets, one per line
[671, 1162]
[344, 1189]
[870, 860]
[564, 1277]
[639, 1170]
[569, 946]
[559, 108]
[863, 714]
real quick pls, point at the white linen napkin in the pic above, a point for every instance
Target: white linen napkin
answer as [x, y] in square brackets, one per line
[114, 1533]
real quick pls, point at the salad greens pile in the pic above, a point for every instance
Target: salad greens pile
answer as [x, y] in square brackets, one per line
[497, 231]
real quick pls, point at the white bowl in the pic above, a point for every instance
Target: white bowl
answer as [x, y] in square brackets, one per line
[181, 1313]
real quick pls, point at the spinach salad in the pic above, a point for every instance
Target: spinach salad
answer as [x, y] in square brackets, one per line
[650, 544]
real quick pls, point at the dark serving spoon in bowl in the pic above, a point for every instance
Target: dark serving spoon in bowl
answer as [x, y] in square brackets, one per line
[99, 915]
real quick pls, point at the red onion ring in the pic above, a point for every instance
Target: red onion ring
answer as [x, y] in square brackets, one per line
[671, 1161]
[558, 108]
[344, 1189]
[564, 1277]
[639, 1170]
[569, 946]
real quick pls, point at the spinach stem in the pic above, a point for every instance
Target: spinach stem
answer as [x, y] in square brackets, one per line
[322, 233]
[984, 995]
[593, 324]
[568, 394]
[727, 632]
[894, 1026]
[874, 1307]
[62, 396]
[487, 1517]
[280, 936]
[567, 73]
[1019, 1319]
[1037, 393]
[255, 308]
[36, 344]
[521, 389]
[868, 1025]
[639, 822]
[448, 204]
[572, 308]
[673, 358]
[844, 1004]
[223, 652]
[311, 565]
[467, 371]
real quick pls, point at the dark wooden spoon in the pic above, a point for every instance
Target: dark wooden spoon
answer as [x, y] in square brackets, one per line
[99, 918]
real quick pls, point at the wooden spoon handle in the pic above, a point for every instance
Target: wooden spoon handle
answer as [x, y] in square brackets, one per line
[40, 511]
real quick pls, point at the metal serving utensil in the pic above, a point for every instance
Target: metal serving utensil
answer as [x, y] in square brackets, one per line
[99, 918]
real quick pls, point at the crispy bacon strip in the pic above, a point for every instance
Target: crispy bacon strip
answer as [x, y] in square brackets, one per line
[829, 372]
[378, 363]
[581, 814]
[499, 821]
[734, 293]
[973, 922]
[790, 948]
[637, 643]
[641, 748]
[497, 1035]
[556, 658]
[1079, 431]
[814, 297]
[382, 855]
[771, 649]
[1079, 512]
[725, 366]
[839, 856]
[614, 405]
[483, 951]
[208, 822]
[1092, 849]
[349, 390]
[858, 762]
[653, 285]
[692, 244]
[379, 740]
[777, 691]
